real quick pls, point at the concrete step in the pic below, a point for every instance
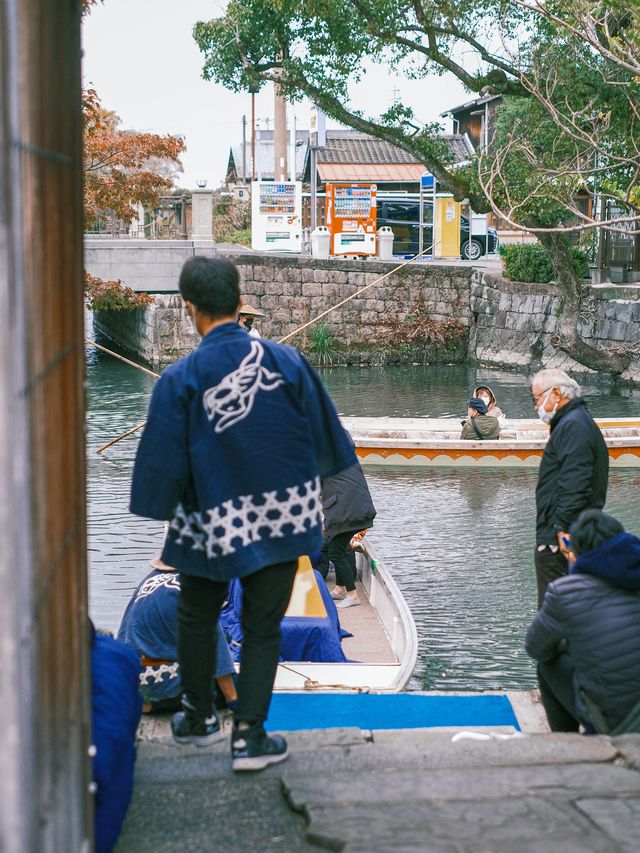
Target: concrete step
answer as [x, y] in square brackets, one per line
[531, 807]
[328, 752]
[407, 790]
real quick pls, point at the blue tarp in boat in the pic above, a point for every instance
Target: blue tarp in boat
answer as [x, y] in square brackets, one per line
[303, 638]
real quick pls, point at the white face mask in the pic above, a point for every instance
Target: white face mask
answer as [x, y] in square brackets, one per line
[546, 417]
[486, 399]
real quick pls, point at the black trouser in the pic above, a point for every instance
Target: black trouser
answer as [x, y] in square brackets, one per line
[343, 559]
[323, 565]
[265, 597]
[558, 694]
[549, 566]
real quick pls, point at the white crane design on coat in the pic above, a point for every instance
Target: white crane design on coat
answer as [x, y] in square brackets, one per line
[231, 400]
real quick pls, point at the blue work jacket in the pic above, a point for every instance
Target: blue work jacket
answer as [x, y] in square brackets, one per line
[238, 435]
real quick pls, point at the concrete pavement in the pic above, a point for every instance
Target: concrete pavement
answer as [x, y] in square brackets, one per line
[401, 791]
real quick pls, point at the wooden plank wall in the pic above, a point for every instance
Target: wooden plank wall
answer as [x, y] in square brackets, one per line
[44, 799]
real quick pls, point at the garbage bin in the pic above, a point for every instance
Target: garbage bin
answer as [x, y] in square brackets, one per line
[385, 243]
[320, 242]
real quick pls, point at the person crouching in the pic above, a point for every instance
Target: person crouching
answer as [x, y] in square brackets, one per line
[586, 635]
[479, 425]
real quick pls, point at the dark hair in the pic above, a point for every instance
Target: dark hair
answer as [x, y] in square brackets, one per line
[479, 405]
[211, 284]
[591, 529]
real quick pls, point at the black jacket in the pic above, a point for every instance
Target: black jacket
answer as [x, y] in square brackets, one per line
[594, 615]
[573, 471]
[346, 502]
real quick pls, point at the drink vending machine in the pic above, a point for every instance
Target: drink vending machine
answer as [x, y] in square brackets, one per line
[276, 216]
[351, 218]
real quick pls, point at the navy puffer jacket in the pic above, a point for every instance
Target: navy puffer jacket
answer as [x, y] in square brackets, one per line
[594, 615]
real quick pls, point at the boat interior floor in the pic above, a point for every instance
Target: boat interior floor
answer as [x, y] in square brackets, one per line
[370, 643]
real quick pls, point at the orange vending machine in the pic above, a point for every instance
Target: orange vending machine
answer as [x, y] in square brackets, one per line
[351, 218]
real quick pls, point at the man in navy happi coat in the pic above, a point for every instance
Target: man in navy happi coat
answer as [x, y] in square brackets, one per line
[238, 436]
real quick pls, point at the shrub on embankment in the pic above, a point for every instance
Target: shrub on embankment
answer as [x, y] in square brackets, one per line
[101, 295]
[531, 262]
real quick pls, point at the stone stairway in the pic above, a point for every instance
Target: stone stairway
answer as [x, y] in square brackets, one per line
[401, 791]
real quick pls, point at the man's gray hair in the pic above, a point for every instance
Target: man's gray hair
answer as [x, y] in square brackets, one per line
[554, 378]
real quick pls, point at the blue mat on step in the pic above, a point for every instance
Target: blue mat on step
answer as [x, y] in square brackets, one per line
[295, 711]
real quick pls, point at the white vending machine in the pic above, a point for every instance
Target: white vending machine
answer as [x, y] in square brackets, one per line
[276, 216]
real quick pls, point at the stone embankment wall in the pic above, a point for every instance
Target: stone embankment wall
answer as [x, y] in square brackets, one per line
[293, 290]
[513, 324]
[503, 324]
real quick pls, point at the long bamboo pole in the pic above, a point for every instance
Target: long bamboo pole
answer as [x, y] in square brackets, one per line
[120, 437]
[122, 358]
[281, 340]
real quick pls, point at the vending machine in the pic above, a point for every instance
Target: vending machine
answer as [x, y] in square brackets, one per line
[351, 218]
[276, 216]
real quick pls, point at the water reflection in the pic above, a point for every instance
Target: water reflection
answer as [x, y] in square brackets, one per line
[458, 542]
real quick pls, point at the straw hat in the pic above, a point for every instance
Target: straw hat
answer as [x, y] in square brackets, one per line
[245, 308]
[159, 565]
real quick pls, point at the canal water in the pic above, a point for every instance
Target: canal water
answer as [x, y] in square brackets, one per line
[457, 541]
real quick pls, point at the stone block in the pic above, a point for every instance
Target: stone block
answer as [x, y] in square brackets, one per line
[257, 286]
[311, 289]
[617, 331]
[618, 819]
[331, 291]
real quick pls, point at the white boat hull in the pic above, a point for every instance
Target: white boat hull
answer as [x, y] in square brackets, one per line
[396, 618]
[435, 442]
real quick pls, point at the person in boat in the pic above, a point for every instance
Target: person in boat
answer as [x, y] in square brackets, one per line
[246, 318]
[150, 626]
[479, 425]
[239, 434]
[483, 392]
[586, 635]
[573, 474]
[348, 509]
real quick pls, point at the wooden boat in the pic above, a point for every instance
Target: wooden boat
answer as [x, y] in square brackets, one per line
[383, 650]
[436, 441]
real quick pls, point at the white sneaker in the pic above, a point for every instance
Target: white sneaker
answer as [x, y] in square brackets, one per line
[348, 601]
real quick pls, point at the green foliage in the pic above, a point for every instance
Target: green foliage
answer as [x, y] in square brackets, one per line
[579, 261]
[527, 262]
[543, 149]
[531, 262]
[103, 295]
[241, 236]
[321, 344]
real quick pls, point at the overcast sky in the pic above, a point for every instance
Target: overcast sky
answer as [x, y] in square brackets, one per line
[142, 59]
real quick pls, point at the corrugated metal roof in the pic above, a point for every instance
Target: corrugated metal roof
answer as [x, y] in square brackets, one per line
[375, 172]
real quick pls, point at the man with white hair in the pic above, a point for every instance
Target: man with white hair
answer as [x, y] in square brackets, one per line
[573, 472]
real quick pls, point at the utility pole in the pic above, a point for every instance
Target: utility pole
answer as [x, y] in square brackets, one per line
[279, 135]
[313, 186]
[244, 150]
[292, 145]
[317, 139]
[253, 136]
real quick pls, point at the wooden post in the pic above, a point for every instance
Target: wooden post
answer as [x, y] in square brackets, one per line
[45, 803]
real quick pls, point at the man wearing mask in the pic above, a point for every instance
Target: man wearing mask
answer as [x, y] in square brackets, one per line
[573, 471]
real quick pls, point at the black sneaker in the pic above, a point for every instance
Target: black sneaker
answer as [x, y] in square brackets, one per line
[189, 727]
[254, 749]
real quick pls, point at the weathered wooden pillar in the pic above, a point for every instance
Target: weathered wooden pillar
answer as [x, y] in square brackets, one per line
[44, 676]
